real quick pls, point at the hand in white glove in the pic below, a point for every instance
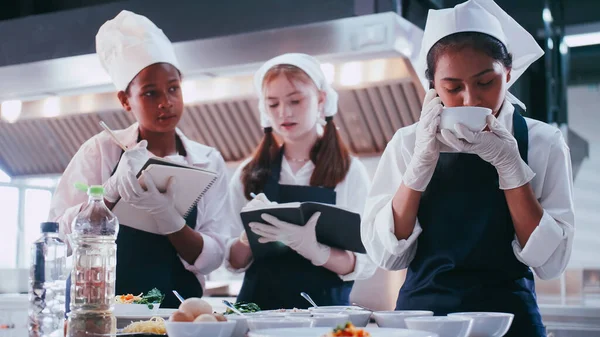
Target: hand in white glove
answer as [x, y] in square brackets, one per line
[498, 147]
[160, 205]
[422, 165]
[302, 239]
[259, 201]
[132, 160]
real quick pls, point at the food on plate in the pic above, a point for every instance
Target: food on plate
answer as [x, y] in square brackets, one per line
[220, 317]
[155, 325]
[347, 330]
[244, 307]
[152, 298]
[206, 318]
[196, 310]
[180, 316]
[195, 307]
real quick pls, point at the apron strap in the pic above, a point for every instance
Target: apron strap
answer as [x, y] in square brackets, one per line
[521, 133]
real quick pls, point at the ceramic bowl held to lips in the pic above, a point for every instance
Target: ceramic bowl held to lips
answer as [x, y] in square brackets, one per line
[444, 326]
[474, 118]
[487, 324]
[395, 319]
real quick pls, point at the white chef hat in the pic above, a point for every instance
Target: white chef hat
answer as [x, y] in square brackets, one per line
[129, 43]
[483, 16]
[311, 67]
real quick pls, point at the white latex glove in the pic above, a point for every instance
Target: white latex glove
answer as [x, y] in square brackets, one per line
[302, 239]
[132, 160]
[422, 165]
[259, 201]
[160, 205]
[497, 146]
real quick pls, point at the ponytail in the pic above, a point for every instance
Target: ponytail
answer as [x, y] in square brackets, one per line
[256, 173]
[331, 158]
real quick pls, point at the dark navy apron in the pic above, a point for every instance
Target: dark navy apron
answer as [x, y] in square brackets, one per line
[147, 260]
[464, 259]
[276, 282]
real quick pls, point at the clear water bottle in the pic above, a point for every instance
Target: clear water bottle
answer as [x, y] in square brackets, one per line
[47, 277]
[93, 234]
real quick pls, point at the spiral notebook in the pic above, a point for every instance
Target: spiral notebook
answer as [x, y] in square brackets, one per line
[191, 185]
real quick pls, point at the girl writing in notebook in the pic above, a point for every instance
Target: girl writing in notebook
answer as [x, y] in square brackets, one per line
[175, 253]
[296, 102]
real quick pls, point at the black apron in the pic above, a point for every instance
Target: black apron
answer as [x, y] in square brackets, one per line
[276, 282]
[464, 259]
[147, 260]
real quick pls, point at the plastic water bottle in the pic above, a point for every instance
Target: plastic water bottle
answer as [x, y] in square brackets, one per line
[93, 234]
[47, 276]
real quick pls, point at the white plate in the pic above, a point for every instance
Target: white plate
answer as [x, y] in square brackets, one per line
[164, 313]
[317, 332]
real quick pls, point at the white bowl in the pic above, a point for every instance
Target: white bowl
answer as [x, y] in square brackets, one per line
[202, 329]
[338, 307]
[395, 319]
[360, 318]
[444, 326]
[315, 332]
[128, 310]
[487, 324]
[472, 117]
[261, 323]
[241, 325]
[329, 320]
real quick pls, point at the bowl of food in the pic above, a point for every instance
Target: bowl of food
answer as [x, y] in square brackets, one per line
[444, 326]
[395, 319]
[358, 317]
[473, 117]
[138, 305]
[330, 320]
[488, 324]
[262, 323]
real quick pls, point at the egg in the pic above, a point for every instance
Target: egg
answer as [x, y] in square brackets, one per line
[195, 307]
[205, 318]
[220, 317]
[181, 316]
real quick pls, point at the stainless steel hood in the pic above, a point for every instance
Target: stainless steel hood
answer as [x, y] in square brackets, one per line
[368, 60]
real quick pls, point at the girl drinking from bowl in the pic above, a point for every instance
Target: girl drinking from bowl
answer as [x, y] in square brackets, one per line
[470, 213]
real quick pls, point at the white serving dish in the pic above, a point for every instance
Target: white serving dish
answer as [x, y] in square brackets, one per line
[395, 319]
[128, 310]
[444, 326]
[474, 118]
[487, 324]
[317, 332]
[201, 329]
[329, 320]
[261, 323]
[360, 318]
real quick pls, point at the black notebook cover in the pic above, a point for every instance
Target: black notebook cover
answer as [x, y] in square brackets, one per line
[337, 228]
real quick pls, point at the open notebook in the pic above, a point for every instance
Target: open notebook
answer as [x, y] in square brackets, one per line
[192, 184]
[337, 227]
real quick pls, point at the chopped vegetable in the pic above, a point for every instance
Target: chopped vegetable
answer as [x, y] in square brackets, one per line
[154, 296]
[244, 308]
[347, 330]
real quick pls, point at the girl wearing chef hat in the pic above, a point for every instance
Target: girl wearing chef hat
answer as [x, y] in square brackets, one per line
[179, 251]
[469, 213]
[297, 103]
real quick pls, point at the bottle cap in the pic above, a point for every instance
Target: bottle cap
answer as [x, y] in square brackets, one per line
[49, 227]
[96, 190]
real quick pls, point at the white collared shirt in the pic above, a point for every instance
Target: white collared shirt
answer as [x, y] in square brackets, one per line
[351, 193]
[95, 161]
[549, 246]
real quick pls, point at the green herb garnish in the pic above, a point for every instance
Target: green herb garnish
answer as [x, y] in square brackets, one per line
[243, 307]
[153, 297]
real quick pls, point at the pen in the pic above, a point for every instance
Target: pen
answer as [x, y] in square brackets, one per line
[112, 135]
[253, 195]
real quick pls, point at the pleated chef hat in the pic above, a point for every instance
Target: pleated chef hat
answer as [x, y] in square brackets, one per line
[129, 43]
[311, 67]
[483, 16]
